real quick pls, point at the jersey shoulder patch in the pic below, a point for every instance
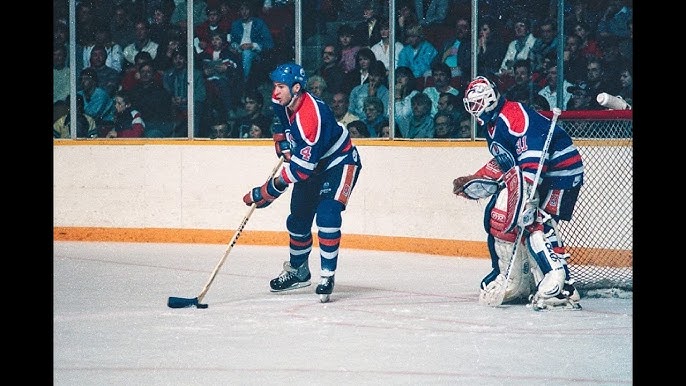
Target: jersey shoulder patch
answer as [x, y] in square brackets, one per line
[309, 120]
[515, 117]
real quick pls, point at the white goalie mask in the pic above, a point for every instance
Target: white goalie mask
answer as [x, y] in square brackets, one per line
[480, 96]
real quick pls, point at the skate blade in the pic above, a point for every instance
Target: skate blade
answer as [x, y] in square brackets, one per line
[570, 306]
[293, 287]
[324, 298]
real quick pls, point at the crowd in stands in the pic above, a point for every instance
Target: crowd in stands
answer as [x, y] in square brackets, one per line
[132, 57]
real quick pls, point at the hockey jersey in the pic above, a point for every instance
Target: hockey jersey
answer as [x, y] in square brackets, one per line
[516, 135]
[317, 141]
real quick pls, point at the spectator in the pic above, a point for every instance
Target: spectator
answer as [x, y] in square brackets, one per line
[253, 104]
[85, 124]
[332, 71]
[464, 129]
[430, 12]
[368, 31]
[61, 75]
[451, 104]
[317, 86]
[445, 126]
[524, 88]
[347, 48]
[574, 61]
[381, 48]
[385, 131]
[223, 75]
[86, 23]
[201, 40]
[114, 55]
[441, 74]
[626, 81]
[142, 43]
[491, 49]
[613, 61]
[257, 131]
[132, 75]
[581, 98]
[418, 53]
[544, 45]
[154, 102]
[420, 124]
[358, 129]
[519, 47]
[374, 87]
[251, 38]
[179, 17]
[175, 81]
[228, 12]
[121, 26]
[549, 92]
[374, 115]
[128, 122]
[108, 77]
[598, 81]
[406, 17]
[626, 45]
[97, 102]
[161, 28]
[614, 19]
[456, 52]
[165, 60]
[405, 90]
[364, 60]
[580, 12]
[339, 105]
[589, 48]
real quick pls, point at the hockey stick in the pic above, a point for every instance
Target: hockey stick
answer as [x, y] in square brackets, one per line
[176, 302]
[500, 297]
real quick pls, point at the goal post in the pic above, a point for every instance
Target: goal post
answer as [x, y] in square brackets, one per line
[599, 237]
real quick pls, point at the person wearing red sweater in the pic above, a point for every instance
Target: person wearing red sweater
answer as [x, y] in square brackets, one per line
[128, 122]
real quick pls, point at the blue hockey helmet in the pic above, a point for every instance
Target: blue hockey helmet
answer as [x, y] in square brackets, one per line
[290, 74]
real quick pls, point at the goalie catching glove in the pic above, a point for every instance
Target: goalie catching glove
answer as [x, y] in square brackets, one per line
[264, 195]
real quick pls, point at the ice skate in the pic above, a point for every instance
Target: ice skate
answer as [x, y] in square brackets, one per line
[567, 299]
[325, 288]
[291, 278]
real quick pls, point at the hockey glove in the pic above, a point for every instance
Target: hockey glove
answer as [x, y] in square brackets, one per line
[282, 146]
[460, 182]
[263, 195]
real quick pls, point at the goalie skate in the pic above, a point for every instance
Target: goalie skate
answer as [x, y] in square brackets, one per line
[568, 299]
[291, 278]
[325, 288]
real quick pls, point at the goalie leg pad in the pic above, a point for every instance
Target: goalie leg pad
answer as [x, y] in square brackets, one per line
[521, 284]
[550, 263]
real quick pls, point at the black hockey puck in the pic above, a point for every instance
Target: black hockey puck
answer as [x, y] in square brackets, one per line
[201, 305]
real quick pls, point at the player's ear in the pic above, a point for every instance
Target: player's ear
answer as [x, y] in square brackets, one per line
[296, 88]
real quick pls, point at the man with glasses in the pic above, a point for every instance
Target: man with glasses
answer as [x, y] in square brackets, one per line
[331, 70]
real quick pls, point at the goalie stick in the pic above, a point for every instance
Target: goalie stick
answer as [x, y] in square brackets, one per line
[500, 296]
[177, 302]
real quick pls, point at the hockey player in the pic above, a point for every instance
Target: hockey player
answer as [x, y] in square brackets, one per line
[323, 165]
[516, 136]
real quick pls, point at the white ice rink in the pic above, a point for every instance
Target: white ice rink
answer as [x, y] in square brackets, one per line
[393, 319]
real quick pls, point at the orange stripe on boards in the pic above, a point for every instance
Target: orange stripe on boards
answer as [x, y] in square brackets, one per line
[443, 247]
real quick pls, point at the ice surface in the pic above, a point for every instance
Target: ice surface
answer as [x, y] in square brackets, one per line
[394, 318]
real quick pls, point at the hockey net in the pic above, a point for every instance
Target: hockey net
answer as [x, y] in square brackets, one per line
[599, 237]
